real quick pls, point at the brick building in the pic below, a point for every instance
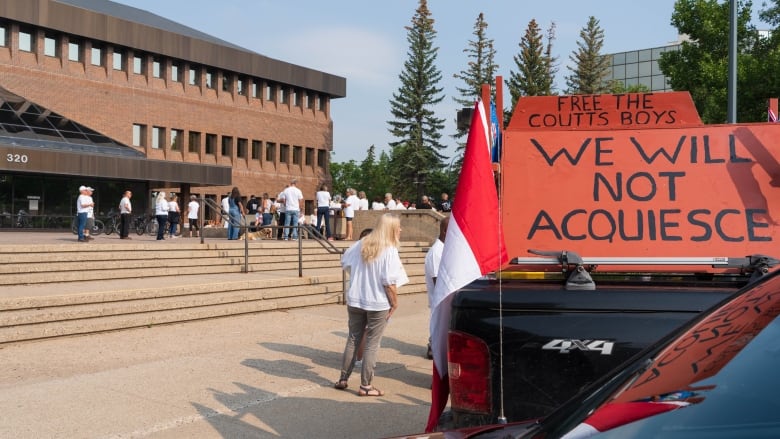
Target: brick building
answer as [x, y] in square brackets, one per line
[158, 105]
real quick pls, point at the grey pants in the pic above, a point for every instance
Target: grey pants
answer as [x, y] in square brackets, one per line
[370, 324]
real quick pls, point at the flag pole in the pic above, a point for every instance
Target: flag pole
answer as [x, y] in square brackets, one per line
[498, 176]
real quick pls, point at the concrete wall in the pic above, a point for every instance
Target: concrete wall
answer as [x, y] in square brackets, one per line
[418, 225]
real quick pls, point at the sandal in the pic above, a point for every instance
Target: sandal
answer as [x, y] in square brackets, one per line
[341, 385]
[370, 391]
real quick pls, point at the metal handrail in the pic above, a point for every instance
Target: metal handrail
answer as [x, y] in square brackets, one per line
[324, 243]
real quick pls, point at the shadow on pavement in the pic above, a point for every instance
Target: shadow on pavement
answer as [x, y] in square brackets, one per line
[248, 415]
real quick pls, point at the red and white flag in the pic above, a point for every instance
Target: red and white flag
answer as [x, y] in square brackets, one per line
[473, 247]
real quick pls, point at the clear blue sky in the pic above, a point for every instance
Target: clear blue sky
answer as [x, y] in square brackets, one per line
[365, 42]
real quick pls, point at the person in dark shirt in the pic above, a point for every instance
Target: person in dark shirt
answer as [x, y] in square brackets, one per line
[425, 203]
[252, 205]
[445, 205]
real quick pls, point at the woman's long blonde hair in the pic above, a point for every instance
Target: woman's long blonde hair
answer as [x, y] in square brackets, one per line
[160, 197]
[383, 236]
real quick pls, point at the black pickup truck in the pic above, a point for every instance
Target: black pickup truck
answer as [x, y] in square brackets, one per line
[524, 345]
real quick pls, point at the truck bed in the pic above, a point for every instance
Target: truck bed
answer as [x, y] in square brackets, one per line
[556, 342]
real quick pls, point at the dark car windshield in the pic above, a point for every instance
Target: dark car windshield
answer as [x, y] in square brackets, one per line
[740, 400]
[718, 375]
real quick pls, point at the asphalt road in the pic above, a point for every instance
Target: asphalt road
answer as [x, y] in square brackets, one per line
[266, 375]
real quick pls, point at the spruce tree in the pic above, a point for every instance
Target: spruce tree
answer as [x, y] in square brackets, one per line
[416, 152]
[481, 66]
[536, 69]
[590, 67]
[482, 69]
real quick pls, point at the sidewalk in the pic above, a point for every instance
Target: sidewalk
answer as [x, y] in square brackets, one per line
[266, 375]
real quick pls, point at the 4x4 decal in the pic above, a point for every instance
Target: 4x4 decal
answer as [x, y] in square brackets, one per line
[566, 345]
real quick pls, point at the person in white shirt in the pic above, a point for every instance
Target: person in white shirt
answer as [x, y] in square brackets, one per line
[125, 212]
[323, 211]
[377, 204]
[349, 211]
[389, 202]
[399, 205]
[376, 272]
[363, 205]
[192, 215]
[161, 213]
[84, 209]
[432, 261]
[280, 213]
[225, 210]
[293, 203]
[174, 215]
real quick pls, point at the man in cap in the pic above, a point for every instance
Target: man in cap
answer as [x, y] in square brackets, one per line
[84, 210]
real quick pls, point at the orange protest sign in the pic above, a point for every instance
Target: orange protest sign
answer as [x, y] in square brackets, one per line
[685, 190]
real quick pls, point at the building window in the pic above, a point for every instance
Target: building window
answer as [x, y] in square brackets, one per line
[257, 149]
[270, 152]
[25, 41]
[97, 56]
[139, 135]
[254, 89]
[156, 68]
[241, 148]
[309, 156]
[74, 51]
[193, 76]
[175, 73]
[321, 158]
[297, 155]
[284, 95]
[270, 92]
[297, 96]
[209, 79]
[226, 83]
[227, 146]
[323, 102]
[177, 136]
[50, 45]
[138, 65]
[3, 38]
[211, 144]
[158, 137]
[284, 153]
[194, 142]
[118, 62]
[240, 86]
[309, 101]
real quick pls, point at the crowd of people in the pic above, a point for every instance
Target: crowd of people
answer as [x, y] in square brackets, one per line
[284, 211]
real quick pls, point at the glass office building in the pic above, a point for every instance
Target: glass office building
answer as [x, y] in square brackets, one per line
[641, 67]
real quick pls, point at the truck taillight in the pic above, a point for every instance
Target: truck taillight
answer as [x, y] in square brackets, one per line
[469, 373]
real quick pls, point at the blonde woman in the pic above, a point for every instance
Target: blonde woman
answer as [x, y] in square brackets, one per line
[376, 273]
[161, 213]
[174, 215]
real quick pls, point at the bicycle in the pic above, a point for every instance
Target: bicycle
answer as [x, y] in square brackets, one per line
[112, 222]
[97, 228]
[152, 227]
[23, 219]
[139, 224]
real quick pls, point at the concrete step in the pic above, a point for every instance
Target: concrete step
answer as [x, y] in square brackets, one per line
[24, 319]
[72, 263]
[52, 290]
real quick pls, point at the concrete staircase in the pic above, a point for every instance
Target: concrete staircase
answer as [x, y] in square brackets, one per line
[67, 289]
